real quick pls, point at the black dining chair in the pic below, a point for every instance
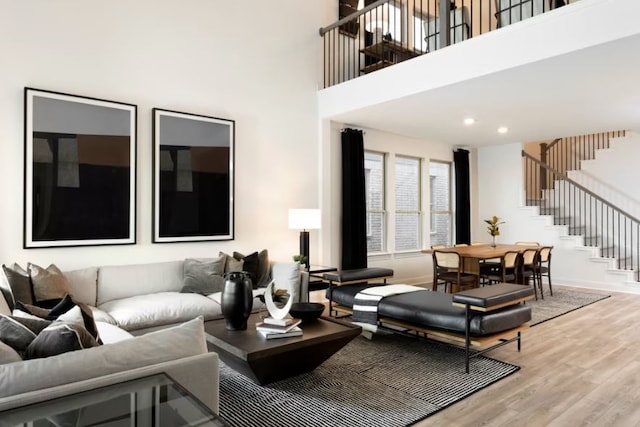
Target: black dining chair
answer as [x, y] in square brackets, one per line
[529, 270]
[544, 266]
[505, 271]
[453, 277]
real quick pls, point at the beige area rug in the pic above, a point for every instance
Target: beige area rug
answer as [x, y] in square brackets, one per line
[564, 300]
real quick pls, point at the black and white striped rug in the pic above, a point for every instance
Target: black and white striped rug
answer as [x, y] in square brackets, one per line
[390, 381]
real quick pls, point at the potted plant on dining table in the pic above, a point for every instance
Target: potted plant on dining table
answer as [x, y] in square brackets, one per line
[493, 228]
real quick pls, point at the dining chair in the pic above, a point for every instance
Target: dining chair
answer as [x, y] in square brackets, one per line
[528, 243]
[454, 278]
[460, 245]
[544, 266]
[437, 269]
[529, 270]
[505, 271]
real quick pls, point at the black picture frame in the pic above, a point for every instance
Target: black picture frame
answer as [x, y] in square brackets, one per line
[79, 170]
[193, 177]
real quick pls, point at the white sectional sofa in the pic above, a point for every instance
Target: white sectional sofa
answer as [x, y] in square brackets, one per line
[127, 301]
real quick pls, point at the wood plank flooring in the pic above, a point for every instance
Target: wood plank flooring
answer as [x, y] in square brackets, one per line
[580, 369]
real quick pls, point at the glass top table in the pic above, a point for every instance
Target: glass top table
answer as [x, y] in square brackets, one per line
[152, 401]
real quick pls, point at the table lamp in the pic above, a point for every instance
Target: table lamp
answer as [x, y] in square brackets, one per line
[304, 219]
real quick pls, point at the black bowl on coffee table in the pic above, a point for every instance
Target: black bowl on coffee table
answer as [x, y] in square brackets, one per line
[306, 311]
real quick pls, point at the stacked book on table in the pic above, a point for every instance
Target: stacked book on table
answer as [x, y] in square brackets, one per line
[279, 328]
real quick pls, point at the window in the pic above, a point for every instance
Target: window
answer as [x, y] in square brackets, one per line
[374, 188]
[440, 202]
[407, 198]
[419, 34]
[385, 19]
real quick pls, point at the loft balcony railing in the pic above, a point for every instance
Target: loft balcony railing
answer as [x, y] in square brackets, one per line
[601, 224]
[374, 34]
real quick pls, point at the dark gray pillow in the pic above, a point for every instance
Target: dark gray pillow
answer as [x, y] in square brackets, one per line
[64, 306]
[20, 284]
[263, 269]
[203, 276]
[19, 332]
[257, 265]
[58, 338]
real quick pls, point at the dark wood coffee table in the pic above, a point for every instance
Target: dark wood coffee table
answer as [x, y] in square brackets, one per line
[265, 361]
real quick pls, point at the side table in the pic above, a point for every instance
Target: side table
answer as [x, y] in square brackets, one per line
[316, 282]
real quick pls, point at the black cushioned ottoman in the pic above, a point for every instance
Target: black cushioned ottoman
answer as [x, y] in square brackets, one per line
[358, 274]
[436, 310]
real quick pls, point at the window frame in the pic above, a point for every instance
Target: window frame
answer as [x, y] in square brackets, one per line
[383, 211]
[419, 211]
[449, 211]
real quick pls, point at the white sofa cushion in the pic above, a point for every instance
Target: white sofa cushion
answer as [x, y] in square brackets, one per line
[174, 343]
[4, 304]
[8, 354]
[123, 281]
[287, 276]
[83, 284]
[102, 316]
[161, 308]
[110, 334]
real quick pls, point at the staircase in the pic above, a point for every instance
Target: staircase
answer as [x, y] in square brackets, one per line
[591, 212]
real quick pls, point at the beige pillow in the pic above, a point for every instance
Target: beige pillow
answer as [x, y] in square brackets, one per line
[49, 283]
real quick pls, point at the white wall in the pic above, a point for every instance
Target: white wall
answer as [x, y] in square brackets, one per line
[413, 267]
[500, 191]
[255, 62]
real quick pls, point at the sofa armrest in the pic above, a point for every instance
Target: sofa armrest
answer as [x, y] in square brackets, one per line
[197, 374]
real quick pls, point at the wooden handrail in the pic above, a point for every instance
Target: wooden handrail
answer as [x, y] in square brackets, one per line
[579, 186]
[351, 17]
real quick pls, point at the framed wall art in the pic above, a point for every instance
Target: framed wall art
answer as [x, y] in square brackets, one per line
[80, 170]
[193, 180]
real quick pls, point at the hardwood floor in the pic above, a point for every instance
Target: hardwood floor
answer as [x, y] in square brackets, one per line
[579, 369]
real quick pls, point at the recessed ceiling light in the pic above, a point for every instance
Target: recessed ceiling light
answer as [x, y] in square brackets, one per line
[503, 129]
[469, 121]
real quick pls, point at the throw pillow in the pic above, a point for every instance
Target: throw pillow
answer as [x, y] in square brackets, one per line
[263, 269]
[59, 337]
[287, 276]
[18, 332]
[67, 309]
[203, 277]
[49, 285]
[20, 284]
[251, 265]
[232, 264]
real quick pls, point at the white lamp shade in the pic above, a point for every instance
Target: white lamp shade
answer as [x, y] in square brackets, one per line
[304, 219]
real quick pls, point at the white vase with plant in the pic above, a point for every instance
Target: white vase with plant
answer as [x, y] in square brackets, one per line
[493, 228]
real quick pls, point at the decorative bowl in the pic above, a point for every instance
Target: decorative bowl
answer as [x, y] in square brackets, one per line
[306, 311]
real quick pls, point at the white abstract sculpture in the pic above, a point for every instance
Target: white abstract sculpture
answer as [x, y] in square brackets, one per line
[274, 311]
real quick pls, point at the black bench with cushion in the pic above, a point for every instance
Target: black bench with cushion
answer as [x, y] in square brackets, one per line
[354, 276]
[476, 317]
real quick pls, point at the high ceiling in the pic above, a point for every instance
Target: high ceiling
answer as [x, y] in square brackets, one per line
[591, 90]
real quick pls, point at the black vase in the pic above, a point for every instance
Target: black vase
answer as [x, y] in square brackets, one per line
[237, 300]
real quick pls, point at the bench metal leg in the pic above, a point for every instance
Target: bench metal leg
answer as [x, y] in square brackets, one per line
[467, 338]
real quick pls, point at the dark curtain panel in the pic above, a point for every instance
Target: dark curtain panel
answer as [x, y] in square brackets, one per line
[463, 204]
[354, 209]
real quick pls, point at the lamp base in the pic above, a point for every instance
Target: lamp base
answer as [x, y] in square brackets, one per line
[304, 248]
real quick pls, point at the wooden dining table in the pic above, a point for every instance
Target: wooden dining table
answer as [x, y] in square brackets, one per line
[471, 256]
